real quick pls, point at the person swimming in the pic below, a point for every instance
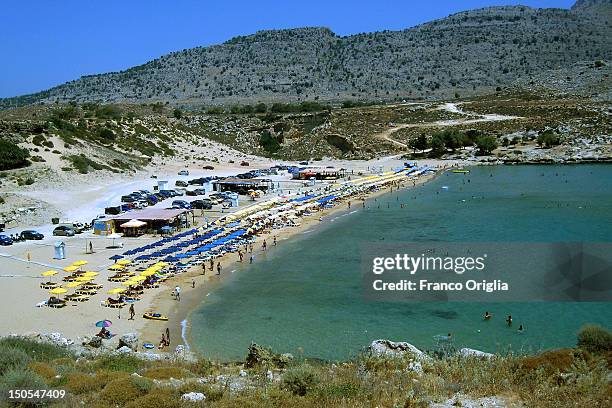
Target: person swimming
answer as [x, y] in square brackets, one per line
[487, 316]
[509, 320]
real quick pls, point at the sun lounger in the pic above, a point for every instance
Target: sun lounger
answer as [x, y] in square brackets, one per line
[79, 298]
[106, 303]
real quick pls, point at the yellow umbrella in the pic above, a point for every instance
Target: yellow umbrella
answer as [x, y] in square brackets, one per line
[148, 273]
[129, 282]
[71, 268]
[83, 279]
[74, 284]
[116, 267]
[80, 263]
[139, 278]
[50, 272]
[116, 291]
[58, 291]
[124, 262]
[90, 274]
[161, 264]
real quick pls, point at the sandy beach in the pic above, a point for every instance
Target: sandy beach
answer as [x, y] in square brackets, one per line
[22, 263]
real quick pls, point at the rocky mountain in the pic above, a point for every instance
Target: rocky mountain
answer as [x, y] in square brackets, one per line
[468, 53]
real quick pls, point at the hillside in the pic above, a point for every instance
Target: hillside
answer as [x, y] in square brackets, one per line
[468, 53]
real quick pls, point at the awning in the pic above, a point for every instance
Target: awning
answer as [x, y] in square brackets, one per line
[133, 224]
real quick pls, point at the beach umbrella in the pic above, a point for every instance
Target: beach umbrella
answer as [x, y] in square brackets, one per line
[160, 264]
[115, 257]
[116, 267]
[80, 263]
[90, 274]
[139, 278]
[58, 291]
[50, 272]
[124, 262]
[83, 279]
[71, 268]
[74, 284]
[104, 323]
[148, 273]
[116, 291]
[129, 282]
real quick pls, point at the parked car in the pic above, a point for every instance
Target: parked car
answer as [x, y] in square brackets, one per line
[64, 231]
[181, 204]
[183, 173]
[208, 167]
[181, 183]
[244, 163]
[31, 234]
[202, 204]
[127, 199]
[6, 240]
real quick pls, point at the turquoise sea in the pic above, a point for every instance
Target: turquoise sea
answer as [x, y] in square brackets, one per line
[305, 295]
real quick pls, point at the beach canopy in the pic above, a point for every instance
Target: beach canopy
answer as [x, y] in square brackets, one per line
[58, 291]
[74, 284]
[124, 262]
[50, 272]
[83, 279]
[116, 267]
[104, 323]
[71, 268]
[116, 291]
[133, 224]
[139, 278]
[129, 282]
[115, 257]
[80, 263]
[90, 274]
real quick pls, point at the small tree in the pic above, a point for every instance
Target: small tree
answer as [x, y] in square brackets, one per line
[438, 147]
[261, 108]
[548, 139]
[486, 144]
[177, 113]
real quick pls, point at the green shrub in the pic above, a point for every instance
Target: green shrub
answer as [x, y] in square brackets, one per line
[595, 339]
[300, 380]
[160, 398]
[164, 373]
[11, 357]
[120, 392]
[36, 350]
[80, 383]
[119, 362]
[21, 378]
[12, 156]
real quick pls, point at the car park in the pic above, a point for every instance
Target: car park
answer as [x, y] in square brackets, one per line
[6, 240]
[31, 235]
[64, 231]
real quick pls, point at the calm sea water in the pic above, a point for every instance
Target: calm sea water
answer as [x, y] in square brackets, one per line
[305, 296]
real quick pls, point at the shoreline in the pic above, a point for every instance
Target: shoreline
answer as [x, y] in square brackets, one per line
[193, 298]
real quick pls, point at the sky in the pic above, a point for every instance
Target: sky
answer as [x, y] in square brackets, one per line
[45, 43]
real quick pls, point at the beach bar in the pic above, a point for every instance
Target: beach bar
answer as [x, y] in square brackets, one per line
[242, 186]
[154, 219]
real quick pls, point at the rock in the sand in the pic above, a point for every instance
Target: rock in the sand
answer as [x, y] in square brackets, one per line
[124, 350]
[56, 338]
[95, 342]
[243, 373]
[468, 352]
[193, 397]
[388, 348]
[129, 340]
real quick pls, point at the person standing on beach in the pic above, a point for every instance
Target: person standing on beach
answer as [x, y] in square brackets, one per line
[167, 336]
[177, 293]
[251, 248]
[203, 269]
[240, 256]
[264, 245]
[132, 312]
[349, 204]
[251, 259]
[218, 268]
[193, 283]
[91, 248]
[212, 264]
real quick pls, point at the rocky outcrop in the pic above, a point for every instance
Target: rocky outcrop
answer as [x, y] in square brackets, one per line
[388, 348]
[259, 355]
[468, 352]
[129, 340]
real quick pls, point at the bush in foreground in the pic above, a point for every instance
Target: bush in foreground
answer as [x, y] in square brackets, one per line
[11, 357]
[300, 380]
[595, 339]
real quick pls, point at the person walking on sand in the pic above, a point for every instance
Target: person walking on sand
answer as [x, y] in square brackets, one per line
[251, 259]
[91, 248]
[177, 293]
[203, 269]
[264, 245]
[167, 336]
[193, 283]
[212, 264]
[132, 312]
[349, 204]
[240, 256]
[218, 268]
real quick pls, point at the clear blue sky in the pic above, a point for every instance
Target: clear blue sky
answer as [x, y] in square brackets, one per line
[47, 42]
